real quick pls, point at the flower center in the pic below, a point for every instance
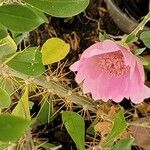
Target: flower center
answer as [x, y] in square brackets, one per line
[113, 63]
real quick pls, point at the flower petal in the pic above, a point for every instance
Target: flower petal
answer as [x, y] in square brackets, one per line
[129, 59]
[100, 48]
[74, 66]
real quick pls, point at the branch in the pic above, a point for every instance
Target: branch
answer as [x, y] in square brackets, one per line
[53, 86]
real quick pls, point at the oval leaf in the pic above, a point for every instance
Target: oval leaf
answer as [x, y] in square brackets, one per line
[60, 8]
[54, 50]
[19, 18]
[12, 127]
[75, 126]
[28, 62]
[4, 99]
[145, 37]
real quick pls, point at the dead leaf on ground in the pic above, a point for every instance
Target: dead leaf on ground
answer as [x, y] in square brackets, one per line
[141, 134]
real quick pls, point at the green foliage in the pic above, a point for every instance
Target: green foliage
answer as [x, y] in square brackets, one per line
[4, 146]
[54, 50]
[28, 62]
[7, 47]
[75, 126]
[143, 60]
[124, 144]
[131, 38]
[4, 99]
[22, 109]
[47, 112]
[145, 37]
[139, 51]
[103, 36]
[3, 31]
[20, 18]
[19, 37]
[60, 8]
[118, 127]
[12, 127]
[49, 146]
[147, 58]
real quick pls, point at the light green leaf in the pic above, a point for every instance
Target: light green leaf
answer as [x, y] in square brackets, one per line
[139, 51]
[47, 112]
[75, 126]
[54, 50]
[143, 60]
[124, 144]
[12, 127]
[28, 62]
[145, 37]
[3, 31]
[49, 146]
[19, 37]
[7, 47]
[118, 127]
[147, 58]
[4, 146]
[19, 18]
[22, 109]
[4, 99]
[103, 36]
[60, 8]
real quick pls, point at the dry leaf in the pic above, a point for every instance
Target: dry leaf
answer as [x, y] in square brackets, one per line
[103, 128]
[141, 134]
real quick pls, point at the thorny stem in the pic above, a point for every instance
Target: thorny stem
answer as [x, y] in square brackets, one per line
[53, 87]
[139, 27]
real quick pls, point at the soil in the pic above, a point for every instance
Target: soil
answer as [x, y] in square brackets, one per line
[80, 32]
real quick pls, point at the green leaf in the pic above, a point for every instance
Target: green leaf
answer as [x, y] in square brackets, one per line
[47, 112]
[22, 109]
[147, 58]
[139, 51]
[28, 62]
[7, 85]
[54, 50]
[124, 144]
[75, 126]
[49, 146]
[3, 31]
[12, 127]
[4, 99]
[39, 13]
[19, 18]
[7, 47]
[103, 36]
[60, 8]
[131, 38]
[4, 146]
[19, 37]
[118, 127]
[145, 37]
[143, 60]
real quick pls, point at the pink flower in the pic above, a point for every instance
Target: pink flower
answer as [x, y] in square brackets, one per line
[110, 71]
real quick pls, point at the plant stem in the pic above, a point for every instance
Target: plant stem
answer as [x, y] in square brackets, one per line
[139, 27]
[53, 87]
